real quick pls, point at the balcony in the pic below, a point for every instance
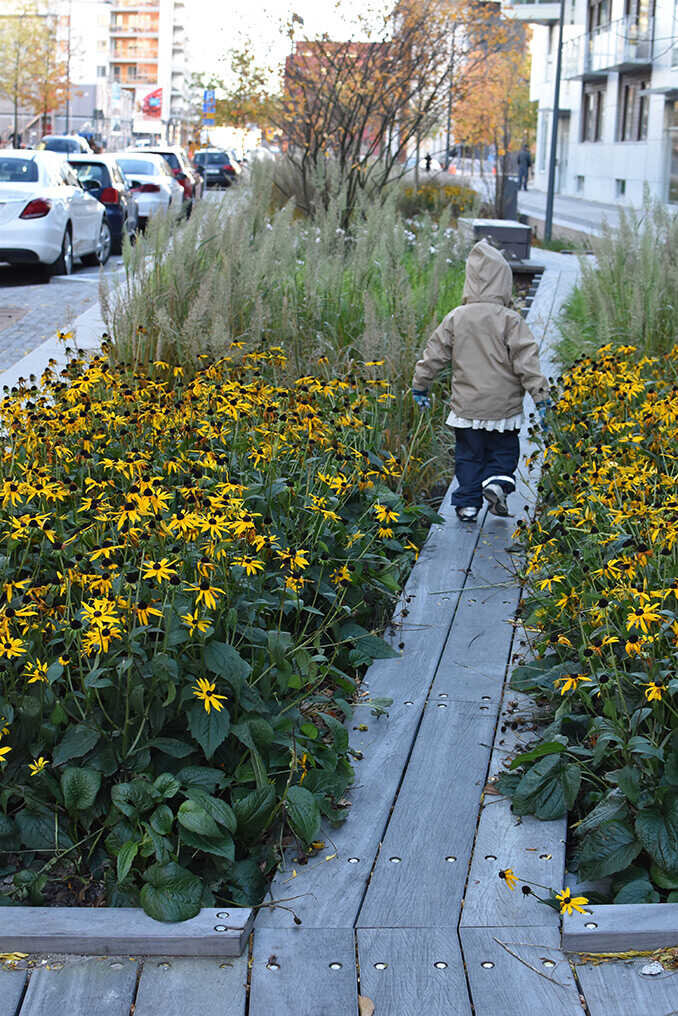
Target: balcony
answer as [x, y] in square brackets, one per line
[623, 45]
[540, 12]
[133, 33]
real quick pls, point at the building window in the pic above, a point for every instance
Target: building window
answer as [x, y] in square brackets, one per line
[599, 15]
[101, 72]
[116, 72]
[580, 184]
[634, 107]
[592, 112]
[620, 188]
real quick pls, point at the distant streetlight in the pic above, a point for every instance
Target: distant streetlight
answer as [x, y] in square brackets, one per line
[548, 218]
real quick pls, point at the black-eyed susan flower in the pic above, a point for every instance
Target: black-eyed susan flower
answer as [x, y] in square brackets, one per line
[570, 903]
[654, 691]
[161, 570]
[205, 691]
[37, 765]
[570, 682]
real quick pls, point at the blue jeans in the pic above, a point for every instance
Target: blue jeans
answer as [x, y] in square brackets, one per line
[480, 457]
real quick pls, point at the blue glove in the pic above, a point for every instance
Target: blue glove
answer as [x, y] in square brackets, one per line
[420, 396]
[543, 408]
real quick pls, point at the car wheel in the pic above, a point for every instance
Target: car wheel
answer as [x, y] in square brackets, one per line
[102, 252]
[64, 263]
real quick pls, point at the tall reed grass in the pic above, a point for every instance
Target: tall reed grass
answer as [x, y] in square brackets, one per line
[238, 272]
[628, 294]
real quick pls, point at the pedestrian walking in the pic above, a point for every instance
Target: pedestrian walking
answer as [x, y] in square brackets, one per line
[524, 163]
[427, 162]
[494, 359]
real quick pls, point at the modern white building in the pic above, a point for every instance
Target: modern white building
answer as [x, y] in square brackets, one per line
[618, 109]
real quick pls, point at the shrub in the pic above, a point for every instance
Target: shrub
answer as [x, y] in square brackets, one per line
[603, 606]
[629, 293]
[435, 197]
[191, 574]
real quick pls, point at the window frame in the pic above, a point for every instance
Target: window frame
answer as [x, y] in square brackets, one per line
[634, 107]
[594, 93]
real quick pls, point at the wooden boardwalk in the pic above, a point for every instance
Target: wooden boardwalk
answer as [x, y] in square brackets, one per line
[403, 904]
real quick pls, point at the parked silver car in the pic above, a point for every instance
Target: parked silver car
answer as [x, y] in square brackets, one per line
[154, 187]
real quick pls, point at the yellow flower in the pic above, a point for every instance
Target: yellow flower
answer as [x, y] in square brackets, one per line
[568, 903]
[548, 582]
[251, 564]
[340, 575]
[385, 514]
[206, 593]
[204, 690]
[37, 672]
[195, 623]
[508, 876]
[162, 570]
[4, 751]
[654, 691]
[37, 765]
[11, 647]
[570, 682]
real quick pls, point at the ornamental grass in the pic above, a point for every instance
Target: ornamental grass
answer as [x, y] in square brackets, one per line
[192, 570]
[602, 611]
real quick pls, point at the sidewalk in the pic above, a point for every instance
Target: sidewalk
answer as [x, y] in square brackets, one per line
[570, 213]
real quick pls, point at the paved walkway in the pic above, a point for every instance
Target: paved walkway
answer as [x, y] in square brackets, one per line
[569, 212]
[402, 904]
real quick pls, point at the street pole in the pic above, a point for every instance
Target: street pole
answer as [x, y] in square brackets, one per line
[68, 69]
[548, 218]
[448, 136]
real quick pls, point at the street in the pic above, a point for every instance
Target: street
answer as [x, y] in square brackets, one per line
[33, 306]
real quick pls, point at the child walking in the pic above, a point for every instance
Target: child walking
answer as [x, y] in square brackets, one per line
[494, 360]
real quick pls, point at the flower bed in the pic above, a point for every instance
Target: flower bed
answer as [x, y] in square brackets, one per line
[191, 574]
[602, 567]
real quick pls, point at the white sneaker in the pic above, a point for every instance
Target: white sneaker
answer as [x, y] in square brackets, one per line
[496, 499]
[469, 514]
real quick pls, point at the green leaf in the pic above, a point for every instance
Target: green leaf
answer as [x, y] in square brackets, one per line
[214, 806]
[126, 856]
[172, 893]
[194, 818]
[135, 798]
[253, 812]
[79, 787]
[209, 729]
[201, 776]
[368, 647]
[247, 883]
[628, 781]
[608, 849]
[303, 813]
[171, 746]
[339, 733]
[671, 769]
[639, 890]
[220, 846]
[42, 831]
[657, 830]
[641, 746]
[662, 879]
[548, 789]
[610, 808]
[76, 742]
[162, 819]
[547, 748]
[224, 660]
[167, 785]
[309, 730]
[539, 675]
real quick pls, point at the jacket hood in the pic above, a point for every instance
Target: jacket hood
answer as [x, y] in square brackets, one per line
[488, 276]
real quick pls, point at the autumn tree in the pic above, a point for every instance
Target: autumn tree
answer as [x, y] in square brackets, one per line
[364, 104]
[51, 85]
[246, 96]
[498, 111]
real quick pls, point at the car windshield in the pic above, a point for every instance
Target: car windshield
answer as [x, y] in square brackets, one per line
[61, 145]
[91, 171]
[217, 158]
[138, 166]
[171, 159]
[18, 171]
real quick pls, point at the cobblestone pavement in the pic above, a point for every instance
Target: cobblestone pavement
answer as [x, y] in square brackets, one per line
[34, 307]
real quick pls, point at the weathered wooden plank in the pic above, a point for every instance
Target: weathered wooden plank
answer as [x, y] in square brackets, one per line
[620, 989]
[303, 972]
[535, 850]
[510, 985]
[11, 987]
[420, 872]
[619, 927]
[98, 985]
[413, 971]
[182, 987]
[331, 891]
[111, 932]
[473, 664]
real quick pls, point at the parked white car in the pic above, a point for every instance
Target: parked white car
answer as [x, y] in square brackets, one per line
[154, 187]
[45, 215]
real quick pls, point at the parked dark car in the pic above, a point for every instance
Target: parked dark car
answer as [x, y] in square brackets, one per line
[183, 171]
[101, 177]
[217, 167]
[66, 143]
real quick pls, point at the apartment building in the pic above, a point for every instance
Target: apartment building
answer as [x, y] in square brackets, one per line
[147, 61]
[618, 109]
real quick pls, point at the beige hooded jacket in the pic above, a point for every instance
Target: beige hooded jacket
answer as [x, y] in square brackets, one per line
[494, 356]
